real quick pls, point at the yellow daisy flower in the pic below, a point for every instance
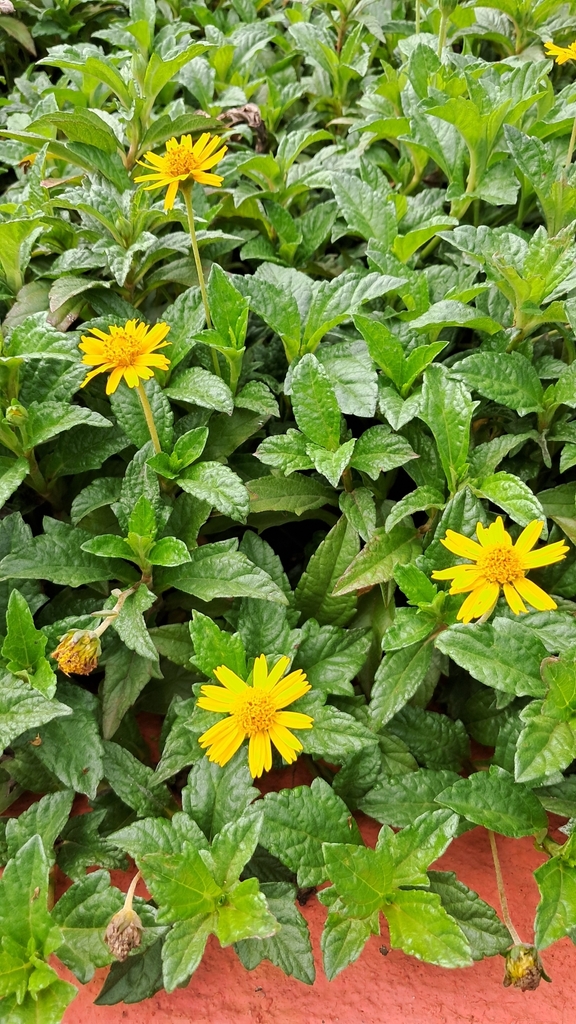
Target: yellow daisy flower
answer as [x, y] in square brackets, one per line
[561, 54]
[183, 162]
[499, 563]
[126, 351]
[255, 711]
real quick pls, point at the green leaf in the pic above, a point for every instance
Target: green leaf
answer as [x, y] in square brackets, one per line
[81, 125]
[419, 590]
[82, 914]
[365, 210]
[434, 740]
[57, 555]
[378, 559]
[45, 818]
[343, 939]
[486, 934]
[415, 847]
[399, 800]
[331, 464]
[24, 646]
[136, 978]
[505, 377]
[556, 911]
[447, 408]
[245, 915]
[12, 473]
[82, 846]
[126, 675]
[183, 949]
[544, 746]
[71, 747]
[290, 949]
[420, 926]
[449, 313]
[420, 500]
[296, 823]
[23, 708]
[180, 883]
[511, 494]
[314, 403]
[219, 570]
[131, 626]
[48, 419]
[24, 914]
[362, 877]
[218, 485]
[234, 846]
[335, 735]
[215, 796]
[199, 387]
[47, 1006]
[331, 657]
[504, 654]
[397, 679]
[378, 450]
[134, 782]
[297, 494]
[314, 593]
[494, 800]
[127, 409]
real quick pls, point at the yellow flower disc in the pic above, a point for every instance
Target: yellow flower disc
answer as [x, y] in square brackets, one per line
[499, 565]
[183, 161]
[255, 712]
[125, 352]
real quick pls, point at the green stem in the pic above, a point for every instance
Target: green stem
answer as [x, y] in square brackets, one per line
[443, 32]
[417, 17]
[187, 192]
[131, 891]
[501, 890]
[149, 416]
[571, 145]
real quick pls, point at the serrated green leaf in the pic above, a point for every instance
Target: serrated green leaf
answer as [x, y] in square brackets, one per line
[420, 926]
[495, 800]
[504, 654]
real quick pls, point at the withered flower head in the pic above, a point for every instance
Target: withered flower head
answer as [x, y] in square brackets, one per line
[124, 933]
[78, 652]
[524, 968]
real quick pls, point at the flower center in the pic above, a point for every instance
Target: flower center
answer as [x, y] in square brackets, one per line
[500, 565]
[256, 713]
[180, 161]
[122, 347]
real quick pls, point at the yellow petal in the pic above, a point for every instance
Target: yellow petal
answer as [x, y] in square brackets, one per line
[545, 556]
[514, 600]
[278, 736]
[278, 671]
[229, 679]
[114, 380]
[496, 534]
[220, 694]
[447, 574]
[170, 195]
[222, 730]
[467, 581]
[535, 596]
[294, 720]
[260, 673]
[289, 689]
[462, 546]
[259, 754]
[478, 602]
[529, 536]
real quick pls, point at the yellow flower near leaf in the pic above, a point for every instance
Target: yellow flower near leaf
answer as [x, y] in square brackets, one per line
[125, 352]
[499, 564]
[182, 161]
[561, 54]
[255, 712]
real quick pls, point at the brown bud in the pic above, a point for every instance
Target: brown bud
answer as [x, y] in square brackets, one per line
[124, 933]
[78, 652]
[524, 968]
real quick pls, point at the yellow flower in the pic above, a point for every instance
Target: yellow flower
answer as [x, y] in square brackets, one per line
[499, 563]
[126, 351]
[255, 711]
[78, 652]
[183, 161]
[561, 54]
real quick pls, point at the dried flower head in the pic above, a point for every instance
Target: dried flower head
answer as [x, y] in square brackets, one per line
[524, 968]
[78, 652]
[124, 933]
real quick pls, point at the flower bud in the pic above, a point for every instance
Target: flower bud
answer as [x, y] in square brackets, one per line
[16, 414]
[524, 968]
[78, 652]
[124, 933]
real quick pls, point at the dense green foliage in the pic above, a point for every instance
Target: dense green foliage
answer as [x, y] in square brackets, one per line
[390, 272]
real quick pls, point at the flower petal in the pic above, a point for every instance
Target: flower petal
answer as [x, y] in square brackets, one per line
[221, 730]
[478, 602]
[219, 694]
[289, 689]
[281, 739]
[546, 556]
[114, 380]
[529, 536]
[462, 546]
[259, 754]
[276, 673]
[535, 596]
[514, 600]
[170, 195]
[260, 673]
[229, 679]
[294, 720]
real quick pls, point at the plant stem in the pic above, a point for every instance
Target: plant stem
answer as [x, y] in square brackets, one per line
[571, 145]
[187, 193]
[443, 32]
[417, 26]
[147, 410]
[112, 613]
[131, 890]
[501, 890]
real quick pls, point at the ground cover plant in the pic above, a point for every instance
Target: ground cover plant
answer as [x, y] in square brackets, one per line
[288, 462]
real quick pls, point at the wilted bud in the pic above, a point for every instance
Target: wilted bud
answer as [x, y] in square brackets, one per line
[124, 933]
[6, 7]
[27, 161]
[78, 652]
[524, 968]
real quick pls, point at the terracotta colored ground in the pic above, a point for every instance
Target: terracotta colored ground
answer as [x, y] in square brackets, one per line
[392, 989]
